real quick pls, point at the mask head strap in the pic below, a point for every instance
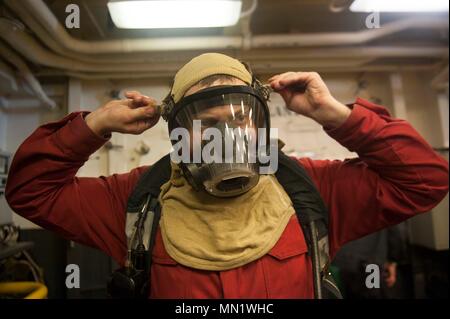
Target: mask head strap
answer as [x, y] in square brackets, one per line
[168, 103]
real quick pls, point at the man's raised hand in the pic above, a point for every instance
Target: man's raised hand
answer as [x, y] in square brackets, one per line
[133, 115]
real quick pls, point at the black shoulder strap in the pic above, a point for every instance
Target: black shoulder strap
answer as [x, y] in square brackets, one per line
[312, 214]
[142, 219]
[150, 183]
[306, 199]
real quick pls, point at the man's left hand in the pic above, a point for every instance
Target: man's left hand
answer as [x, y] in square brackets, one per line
[307, 94]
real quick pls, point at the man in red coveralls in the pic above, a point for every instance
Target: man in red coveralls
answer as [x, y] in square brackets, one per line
[396, 176]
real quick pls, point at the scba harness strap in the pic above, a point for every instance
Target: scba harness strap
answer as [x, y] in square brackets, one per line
[144, 211]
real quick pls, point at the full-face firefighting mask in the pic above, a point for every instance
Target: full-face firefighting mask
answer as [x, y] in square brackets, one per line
[217, 135]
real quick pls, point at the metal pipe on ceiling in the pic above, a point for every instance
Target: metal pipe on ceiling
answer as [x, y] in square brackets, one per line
[27, 75]
[24, 43]
[263, 72]
[7, 76]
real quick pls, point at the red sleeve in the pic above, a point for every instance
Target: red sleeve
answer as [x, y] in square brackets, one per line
[42, 187]
[396, 176]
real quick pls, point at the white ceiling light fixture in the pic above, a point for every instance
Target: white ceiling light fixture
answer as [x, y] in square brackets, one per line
[153, 14]
[399, 6]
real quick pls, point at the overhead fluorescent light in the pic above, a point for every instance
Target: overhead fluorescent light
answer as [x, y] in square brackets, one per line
[150, 14]
[399, 6]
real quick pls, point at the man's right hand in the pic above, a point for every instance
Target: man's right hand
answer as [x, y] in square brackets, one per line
[134, 115]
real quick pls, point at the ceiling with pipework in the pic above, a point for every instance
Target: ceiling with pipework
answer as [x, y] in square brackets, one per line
[416, 46]
[270, 17]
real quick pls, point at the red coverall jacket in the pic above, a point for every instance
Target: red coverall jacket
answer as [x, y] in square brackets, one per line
[396, 176]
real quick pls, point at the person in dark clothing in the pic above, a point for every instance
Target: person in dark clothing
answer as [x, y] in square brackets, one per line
[385, 249]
